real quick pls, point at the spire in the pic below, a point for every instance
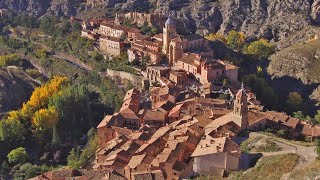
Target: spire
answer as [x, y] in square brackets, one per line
[170, 18]
[242, 86]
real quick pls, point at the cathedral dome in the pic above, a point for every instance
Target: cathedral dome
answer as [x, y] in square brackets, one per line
[169, 21]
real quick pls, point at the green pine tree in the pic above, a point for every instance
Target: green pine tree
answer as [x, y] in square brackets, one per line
[56, 141]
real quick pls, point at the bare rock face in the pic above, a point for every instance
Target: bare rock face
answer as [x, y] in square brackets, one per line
[272, 19]
[315, 13]
[315, 96]
[16, 87]
[35, 7]
[301, 62]
[65, 8]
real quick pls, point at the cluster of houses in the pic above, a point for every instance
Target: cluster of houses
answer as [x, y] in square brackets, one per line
[187, 56]
[175, 130]
[174, 136]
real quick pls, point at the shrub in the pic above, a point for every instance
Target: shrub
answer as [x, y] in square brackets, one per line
[235, 39]
[41, 53]
[261, 48]
[9, 60]
[18, 156]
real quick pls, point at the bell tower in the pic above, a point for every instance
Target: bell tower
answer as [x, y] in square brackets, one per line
[169, 32]
[240, 110]
[175, 50]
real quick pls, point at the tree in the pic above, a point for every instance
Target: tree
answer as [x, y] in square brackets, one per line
[294, 101]
[73, 158]
[260, 49]
[4, 168]
[41, 95]
[41, 53]
[259, 71]
[263, 90]
[153, 31]
[298, 115]
[235, 39]
[91, 133]
[317, 142]
[44, 119]
[18, 156]
[317, 117]
[9, 60]
[11, 130]
[56, 141]
[217, 36]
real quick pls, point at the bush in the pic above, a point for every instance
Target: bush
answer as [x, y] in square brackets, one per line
[18, 156]
[283, 133]
[235, 39]
[41, 53]
[4, 168]
[77, 159]
[317, 142]
[29, 170]
[9, 60]
[260, 49]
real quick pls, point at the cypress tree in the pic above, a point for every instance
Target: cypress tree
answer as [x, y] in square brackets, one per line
[56, 141]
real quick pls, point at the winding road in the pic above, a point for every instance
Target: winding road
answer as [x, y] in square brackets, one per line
[307, 154]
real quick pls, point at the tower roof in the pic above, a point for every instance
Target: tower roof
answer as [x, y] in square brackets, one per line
[169, 21]
[242, 92]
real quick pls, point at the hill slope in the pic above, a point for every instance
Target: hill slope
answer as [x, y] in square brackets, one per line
[16, 87]
[272, 19]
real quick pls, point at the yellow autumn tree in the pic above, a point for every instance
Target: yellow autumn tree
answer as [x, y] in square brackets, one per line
[40, 96]
[217, 36]
[44, 119]
[236, 39]
[260, 48]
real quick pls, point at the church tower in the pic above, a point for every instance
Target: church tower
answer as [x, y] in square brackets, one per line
[175, 50]
[240, 111]
[169, 32]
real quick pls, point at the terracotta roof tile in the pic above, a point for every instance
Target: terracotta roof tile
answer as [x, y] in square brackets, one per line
[154, 116]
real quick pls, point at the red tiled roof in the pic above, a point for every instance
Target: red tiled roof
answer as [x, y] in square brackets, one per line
[154, 116]
[128, 114]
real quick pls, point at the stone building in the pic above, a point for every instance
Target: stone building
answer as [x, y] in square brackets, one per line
[174, 46]
[207, 70]
[111, 45]
[154, 73]
[145, 48]
[109, 29]
[179, 77]
[215, 155]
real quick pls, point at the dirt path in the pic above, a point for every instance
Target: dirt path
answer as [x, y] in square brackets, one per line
[307, 154]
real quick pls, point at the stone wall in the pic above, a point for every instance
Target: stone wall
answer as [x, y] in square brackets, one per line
[134, 79]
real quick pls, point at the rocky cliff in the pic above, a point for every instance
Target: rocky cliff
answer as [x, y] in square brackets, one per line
[16, 87]
[272, 19]
[301, 62]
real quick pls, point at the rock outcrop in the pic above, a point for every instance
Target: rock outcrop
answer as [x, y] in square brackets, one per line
[272, 19]
[315, 96]
[301, 62]
[315, 11]
[16, 87]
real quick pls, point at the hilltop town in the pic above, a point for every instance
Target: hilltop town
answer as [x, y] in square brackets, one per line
[176, 130]
[136, 95]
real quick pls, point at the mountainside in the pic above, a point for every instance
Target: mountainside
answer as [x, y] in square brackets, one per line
[16, 87]
[272, 19]
[301, 62]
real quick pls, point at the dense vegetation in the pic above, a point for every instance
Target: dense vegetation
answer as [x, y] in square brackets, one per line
[61, 114]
